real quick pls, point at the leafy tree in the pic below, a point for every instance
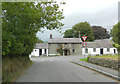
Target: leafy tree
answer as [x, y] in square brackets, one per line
[22, 20]
[68, 33]
[115, 33]
[83, 27]
[39, 41]
[100, 33]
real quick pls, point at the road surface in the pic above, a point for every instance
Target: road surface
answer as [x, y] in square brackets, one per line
[60, 69]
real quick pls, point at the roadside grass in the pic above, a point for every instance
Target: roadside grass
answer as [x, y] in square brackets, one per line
[84, 59]
[103, 56]
[114, 56]
[111, 57]
[14, 67]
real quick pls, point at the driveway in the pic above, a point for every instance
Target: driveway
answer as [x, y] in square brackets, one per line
[60, 69]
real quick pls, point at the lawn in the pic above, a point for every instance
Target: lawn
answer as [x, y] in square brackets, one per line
[112, 57]
[84, 59]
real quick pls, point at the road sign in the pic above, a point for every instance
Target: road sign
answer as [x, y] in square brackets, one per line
[84, 38]
[84, 44]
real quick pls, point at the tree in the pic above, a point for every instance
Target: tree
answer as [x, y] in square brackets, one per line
[83, 27]
[100, 33]
[39, 41]
[22, 20]
[68, 33]
[115, 33]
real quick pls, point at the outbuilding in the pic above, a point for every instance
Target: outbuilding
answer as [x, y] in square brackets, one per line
[99, 47]
[41, 49]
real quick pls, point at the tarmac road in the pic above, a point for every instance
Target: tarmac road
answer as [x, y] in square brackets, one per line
[60, 69]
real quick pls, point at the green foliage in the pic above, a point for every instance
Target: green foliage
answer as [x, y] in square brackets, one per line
[115, 33]
[83, 27]
[39, 41]
[68, 33]
[106, 56]
[100, 33]
[113, 45]
[22, 20]
[60, 51]
[84, 59]
[88, 57]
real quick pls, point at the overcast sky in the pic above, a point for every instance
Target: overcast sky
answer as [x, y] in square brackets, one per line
[97, 12]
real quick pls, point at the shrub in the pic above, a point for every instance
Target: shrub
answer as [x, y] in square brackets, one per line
[113, 45]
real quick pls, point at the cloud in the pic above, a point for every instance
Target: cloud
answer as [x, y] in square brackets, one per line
[97, 12]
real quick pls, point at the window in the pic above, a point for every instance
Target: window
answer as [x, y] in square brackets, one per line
[94, 49]
[108, 49]
[86, 50]
[73, 50]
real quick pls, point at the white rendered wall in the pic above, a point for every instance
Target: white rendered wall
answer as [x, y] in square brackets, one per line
[35, 52]
[43, 52]
[90, 51]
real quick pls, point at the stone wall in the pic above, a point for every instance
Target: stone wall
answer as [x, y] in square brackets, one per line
[105, 62]
[52, 48]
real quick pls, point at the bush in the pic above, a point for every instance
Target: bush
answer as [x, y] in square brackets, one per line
[113, 45]
[88, 58]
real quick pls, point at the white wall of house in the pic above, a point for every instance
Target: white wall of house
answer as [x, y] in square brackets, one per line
[35, 52]
[111, 51]
[97, 52]
[43, 52]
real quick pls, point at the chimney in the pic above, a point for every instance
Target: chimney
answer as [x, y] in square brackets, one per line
[50, 36]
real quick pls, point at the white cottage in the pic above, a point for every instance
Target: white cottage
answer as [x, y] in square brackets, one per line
[41, 49]
[99, 47]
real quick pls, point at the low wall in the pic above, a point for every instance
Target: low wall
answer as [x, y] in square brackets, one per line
[105, 62]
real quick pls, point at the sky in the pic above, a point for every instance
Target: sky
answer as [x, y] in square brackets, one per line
[97, 12]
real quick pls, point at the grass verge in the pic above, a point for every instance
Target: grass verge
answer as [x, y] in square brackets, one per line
[107, 56]
[84, 59]
[103, 56]
[14, 67]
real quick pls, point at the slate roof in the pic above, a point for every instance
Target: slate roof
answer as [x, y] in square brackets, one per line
[104, 43]
[41, 45]
[65, 40]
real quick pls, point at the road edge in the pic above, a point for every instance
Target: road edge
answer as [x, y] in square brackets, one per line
[99, 71]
